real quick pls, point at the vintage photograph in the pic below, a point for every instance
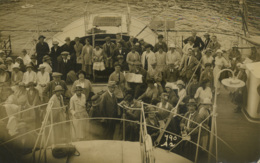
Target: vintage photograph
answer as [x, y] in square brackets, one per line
[129, 81]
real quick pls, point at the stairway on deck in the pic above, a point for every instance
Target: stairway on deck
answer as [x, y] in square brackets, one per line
[243, 136]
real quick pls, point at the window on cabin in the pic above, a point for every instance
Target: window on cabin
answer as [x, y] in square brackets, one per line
[107, 21]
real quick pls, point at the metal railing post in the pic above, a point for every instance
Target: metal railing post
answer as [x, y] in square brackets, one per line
[198, 142]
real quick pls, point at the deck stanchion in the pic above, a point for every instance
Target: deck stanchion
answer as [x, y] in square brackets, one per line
[123, 124]
[198, 142]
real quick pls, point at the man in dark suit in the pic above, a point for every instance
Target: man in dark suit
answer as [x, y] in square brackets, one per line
[171, 74]
[55, 53]
[188, 66]
[109, 48]
[42, 49]
[188, 126]
[197, 40]
[65, 65]
[159, 44]
[119, 50]
[110, 109]
[69, 47]
[49, 89]
[207, 40]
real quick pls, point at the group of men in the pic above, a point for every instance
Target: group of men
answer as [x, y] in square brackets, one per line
[169, 75]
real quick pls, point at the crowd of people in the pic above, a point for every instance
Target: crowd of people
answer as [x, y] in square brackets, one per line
[171, 75]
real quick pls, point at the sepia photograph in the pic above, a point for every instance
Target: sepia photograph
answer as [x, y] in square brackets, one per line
[129, 81]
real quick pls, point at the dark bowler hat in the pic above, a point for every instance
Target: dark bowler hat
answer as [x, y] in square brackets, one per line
[41, 36]
[67, 39]
[148, 46]
[160, 36]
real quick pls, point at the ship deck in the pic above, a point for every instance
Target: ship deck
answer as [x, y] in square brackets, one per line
[243, 136]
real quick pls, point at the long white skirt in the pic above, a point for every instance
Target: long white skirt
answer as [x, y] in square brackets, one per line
[99, 66]
[80, 126]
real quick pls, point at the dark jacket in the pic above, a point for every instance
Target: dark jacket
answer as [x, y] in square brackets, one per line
[54, 55]
[171, 75]
[108, 105]
[158, 45]
[41, 50]
[117, 53]
[65, 68]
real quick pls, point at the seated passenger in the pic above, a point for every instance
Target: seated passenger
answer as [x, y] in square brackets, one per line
[151, 94]
[98, 59]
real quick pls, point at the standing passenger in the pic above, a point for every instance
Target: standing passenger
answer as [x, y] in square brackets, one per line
[87, 53]
[42, 49]
[161, 44]
[78, 49]
[78, 112]
[109, 109]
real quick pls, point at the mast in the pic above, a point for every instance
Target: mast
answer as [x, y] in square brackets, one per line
[244, 15]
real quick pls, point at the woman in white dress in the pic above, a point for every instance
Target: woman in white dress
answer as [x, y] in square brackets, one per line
[98, 59]
[220, 63]
[207, 58]
[203, 92]
[42, 79]
[78, 112]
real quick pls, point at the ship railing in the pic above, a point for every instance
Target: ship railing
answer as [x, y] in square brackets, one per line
[45, 132]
